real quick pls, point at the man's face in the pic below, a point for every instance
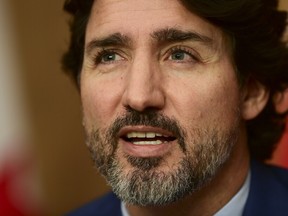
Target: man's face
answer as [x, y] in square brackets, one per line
[160, 99]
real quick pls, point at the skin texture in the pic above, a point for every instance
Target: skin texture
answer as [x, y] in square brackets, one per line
[191, 81]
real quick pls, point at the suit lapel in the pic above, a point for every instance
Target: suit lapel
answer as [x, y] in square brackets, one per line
[268, 195]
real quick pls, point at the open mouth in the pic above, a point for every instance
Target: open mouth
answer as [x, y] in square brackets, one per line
[147, 138]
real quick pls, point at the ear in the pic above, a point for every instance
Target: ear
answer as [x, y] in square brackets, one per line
[255, 97]
[280, 100]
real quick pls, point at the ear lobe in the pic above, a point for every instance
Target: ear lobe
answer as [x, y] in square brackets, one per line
[255, 97]
[280, 100]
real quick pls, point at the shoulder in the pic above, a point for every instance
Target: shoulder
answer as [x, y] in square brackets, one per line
[109, 204]
[281, 174]
[274, 176]
[268, 193]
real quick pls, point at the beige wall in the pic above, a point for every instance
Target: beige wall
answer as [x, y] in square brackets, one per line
[283, 4]
[67, 176]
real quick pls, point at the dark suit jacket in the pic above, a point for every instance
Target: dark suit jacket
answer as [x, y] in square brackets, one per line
[268, 195]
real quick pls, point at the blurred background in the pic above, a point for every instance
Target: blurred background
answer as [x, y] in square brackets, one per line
[45, 168]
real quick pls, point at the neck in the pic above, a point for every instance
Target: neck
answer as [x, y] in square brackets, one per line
[211, 198]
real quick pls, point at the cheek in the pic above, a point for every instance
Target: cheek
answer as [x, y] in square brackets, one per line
[212, 104]
[99, 102]
[224, 106]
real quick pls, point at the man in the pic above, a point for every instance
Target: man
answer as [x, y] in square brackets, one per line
[179, 101]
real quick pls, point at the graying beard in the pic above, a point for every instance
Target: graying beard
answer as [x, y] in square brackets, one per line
[144, 164]
[145, 185]
[149, 187]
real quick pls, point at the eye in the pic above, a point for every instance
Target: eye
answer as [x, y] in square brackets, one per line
[180, 54]
[110, 57]
[107, 57]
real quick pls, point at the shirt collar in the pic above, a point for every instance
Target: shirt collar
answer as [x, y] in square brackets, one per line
[236, 205]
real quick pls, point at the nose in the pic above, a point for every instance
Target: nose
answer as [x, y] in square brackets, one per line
[144, 86]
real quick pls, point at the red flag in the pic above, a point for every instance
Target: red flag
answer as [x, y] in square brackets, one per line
[281, 154]
[18, 192]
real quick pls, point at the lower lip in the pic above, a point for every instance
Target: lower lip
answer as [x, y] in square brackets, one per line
[146, 150]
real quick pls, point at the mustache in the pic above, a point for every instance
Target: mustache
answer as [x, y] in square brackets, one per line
[147, 118]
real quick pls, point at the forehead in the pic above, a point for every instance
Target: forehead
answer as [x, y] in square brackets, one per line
[137, 18]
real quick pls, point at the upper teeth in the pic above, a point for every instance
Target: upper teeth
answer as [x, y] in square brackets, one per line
[143, 135]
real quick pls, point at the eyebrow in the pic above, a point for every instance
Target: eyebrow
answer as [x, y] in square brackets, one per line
[171, 35]
[168, 35]
[116, 39]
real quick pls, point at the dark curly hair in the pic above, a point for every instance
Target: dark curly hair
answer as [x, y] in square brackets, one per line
[256, 28]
